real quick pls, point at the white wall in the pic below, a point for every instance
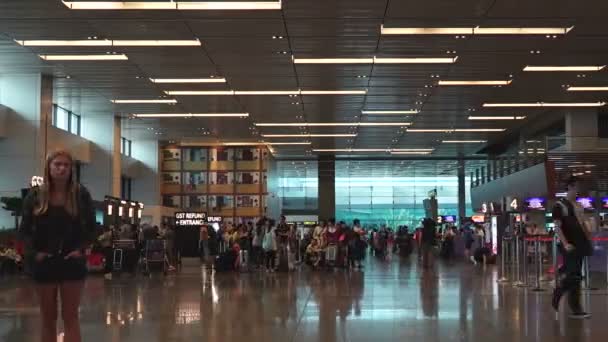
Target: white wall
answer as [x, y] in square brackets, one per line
[22, 149]
[146, 187]
[97, 176]
[79, 147]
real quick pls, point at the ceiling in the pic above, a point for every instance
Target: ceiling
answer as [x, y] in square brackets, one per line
[239, 46]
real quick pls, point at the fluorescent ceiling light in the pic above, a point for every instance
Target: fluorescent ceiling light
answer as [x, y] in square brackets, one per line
[416, 60]
[474, 83]
[191, 42]
[394, 151]
[564, 68]
[333, 60]
[332, 124]
[192, 115]
[240, 143]
[377, 60]
[587, 88]
[229, 5]
[188, 80]
[104, 57]
[389, 112]
[265, 92]
[145, 101]
[411, 152]
[475, 30]
[451, 130]
[288, 143]
[201, 92]
[173, 5]
[308, 135]
[107, 42]
[544, 104]
[496, 117]
[464, 141]
[333, 92]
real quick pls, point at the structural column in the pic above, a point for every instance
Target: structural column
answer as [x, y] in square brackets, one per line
[581, 130]
[327, 187]
[461, 188]
[116, 158]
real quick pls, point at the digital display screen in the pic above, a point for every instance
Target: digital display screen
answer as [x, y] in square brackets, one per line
[586, 202]
[605, 202]
[448, 218]
[535, 203]
[186, 219]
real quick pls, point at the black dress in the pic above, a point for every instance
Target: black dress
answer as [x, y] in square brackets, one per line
[58, 234]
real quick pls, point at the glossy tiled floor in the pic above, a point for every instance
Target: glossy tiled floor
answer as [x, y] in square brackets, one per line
[390, 301]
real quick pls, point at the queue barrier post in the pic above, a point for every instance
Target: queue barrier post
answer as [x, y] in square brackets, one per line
[539, 263]
[506, 247]
[517, 261]
[524, 256]
[555, 264]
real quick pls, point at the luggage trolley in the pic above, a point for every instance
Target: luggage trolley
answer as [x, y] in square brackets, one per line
[155, 252]
[120, 247]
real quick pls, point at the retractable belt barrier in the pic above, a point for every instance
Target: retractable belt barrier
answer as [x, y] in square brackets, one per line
[515, 252]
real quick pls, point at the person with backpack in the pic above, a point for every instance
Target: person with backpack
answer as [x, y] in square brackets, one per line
[575, 244]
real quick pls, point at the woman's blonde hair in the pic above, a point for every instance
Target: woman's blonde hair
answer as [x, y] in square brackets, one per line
[44, 192]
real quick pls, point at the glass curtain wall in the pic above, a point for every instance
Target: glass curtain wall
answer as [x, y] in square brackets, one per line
[392, 192]
[298, 186]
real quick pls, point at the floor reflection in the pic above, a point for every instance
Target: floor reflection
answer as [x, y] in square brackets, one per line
[390, 301]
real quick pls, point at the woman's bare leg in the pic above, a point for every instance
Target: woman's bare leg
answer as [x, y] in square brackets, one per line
[71, 293]
[47, 297]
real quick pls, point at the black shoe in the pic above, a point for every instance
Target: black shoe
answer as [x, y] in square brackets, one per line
[557, 296]
[580, 315]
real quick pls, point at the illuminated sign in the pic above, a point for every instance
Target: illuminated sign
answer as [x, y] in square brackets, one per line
[185, 219]
[586, 202]
[478, 218]
[212, 219]
[447, 219]
[535, 203]
[513, 204]
[36, 181]
[605, 202]
[484, 207]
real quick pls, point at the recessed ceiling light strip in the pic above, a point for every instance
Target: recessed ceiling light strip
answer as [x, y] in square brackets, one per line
[99, 57]
[464, 141]
[309, 135]
[475, 30]
[188, 80]
[107, 42]
[544, 104]
[191, 115]
[496, 117]
[566, 68]
[474, 83]
[144, 101]
[377, 60]
[288, 143]
[587, 88]
[331, 124]
[264, 92]
[454, 130]
[173, 5]
[389, 112]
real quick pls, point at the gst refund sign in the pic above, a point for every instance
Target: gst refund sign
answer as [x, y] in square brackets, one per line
[190, 219]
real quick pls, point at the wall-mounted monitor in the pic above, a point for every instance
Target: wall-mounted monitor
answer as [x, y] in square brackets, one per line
[448, 218]
[535, 204]
[588, 203]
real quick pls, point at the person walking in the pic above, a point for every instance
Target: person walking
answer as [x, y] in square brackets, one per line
[58, 224]
[428, 242]
[575, 245]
